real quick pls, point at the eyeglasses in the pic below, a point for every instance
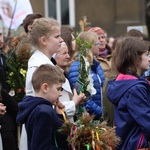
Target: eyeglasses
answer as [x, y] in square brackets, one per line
[97, 44]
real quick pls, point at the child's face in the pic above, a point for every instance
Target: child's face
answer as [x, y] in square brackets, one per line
[53, 42]
[145, 61]
[54, 92]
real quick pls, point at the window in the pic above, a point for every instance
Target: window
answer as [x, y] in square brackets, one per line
[62, 10]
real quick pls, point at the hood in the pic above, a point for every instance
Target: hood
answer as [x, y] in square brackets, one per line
[27, 106]
[118, 87]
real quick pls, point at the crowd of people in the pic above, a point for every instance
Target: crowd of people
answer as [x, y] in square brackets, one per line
[119, 71]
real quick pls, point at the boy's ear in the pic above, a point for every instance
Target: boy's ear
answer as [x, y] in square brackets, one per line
[44, 87]
[29, 27]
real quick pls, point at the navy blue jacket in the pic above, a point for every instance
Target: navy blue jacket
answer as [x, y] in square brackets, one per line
[42, 124]
[131, 99]
[95, 104]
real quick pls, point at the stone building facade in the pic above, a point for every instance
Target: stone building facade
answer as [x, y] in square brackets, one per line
[114, 16]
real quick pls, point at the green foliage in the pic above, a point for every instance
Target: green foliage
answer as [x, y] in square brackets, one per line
[17, 62]
[16, 76]
[83, 71]
[83, 47]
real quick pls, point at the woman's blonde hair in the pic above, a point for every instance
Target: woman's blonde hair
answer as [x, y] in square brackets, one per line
[42, 27]
[90, 37]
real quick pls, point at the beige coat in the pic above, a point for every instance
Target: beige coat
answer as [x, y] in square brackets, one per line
[108, 110]
[105, 64]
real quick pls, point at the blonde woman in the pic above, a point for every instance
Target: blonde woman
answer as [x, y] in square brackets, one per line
[93, 105]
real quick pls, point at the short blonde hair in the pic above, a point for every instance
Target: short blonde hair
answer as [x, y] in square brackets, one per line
[42, 27]
[47, 74]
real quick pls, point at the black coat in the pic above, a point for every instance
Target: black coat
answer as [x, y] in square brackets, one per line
[3, 70]
[8, 120]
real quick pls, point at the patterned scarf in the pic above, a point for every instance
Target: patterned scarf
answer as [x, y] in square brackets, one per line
[104, 53]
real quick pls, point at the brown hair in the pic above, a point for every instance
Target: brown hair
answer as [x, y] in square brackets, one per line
[66, 32]
[135, 33]
[47, 74]
[127, 54]
[29, 20]
[88, 36]
[42, 27]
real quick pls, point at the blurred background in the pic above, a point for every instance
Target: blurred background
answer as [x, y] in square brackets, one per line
[116, 17]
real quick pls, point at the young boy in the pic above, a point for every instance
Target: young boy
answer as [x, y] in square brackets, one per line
[41, 120]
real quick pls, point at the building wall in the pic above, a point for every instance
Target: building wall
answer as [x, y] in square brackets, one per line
[38, 6]
[112, 15]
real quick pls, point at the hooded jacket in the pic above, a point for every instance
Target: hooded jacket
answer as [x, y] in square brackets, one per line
[42, 124]
[131, 98]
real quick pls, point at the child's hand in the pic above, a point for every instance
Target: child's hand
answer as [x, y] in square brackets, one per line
[78, 99]
[60, 105]
[2, 109]
[61, 111]
[57, 109]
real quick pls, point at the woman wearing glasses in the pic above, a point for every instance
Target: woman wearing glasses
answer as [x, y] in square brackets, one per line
[104, 55]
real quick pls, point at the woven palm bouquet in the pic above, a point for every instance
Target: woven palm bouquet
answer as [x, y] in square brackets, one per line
[17, 63]
[89, 134]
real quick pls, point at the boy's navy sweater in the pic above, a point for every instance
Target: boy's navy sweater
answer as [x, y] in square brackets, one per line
[42, 124]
